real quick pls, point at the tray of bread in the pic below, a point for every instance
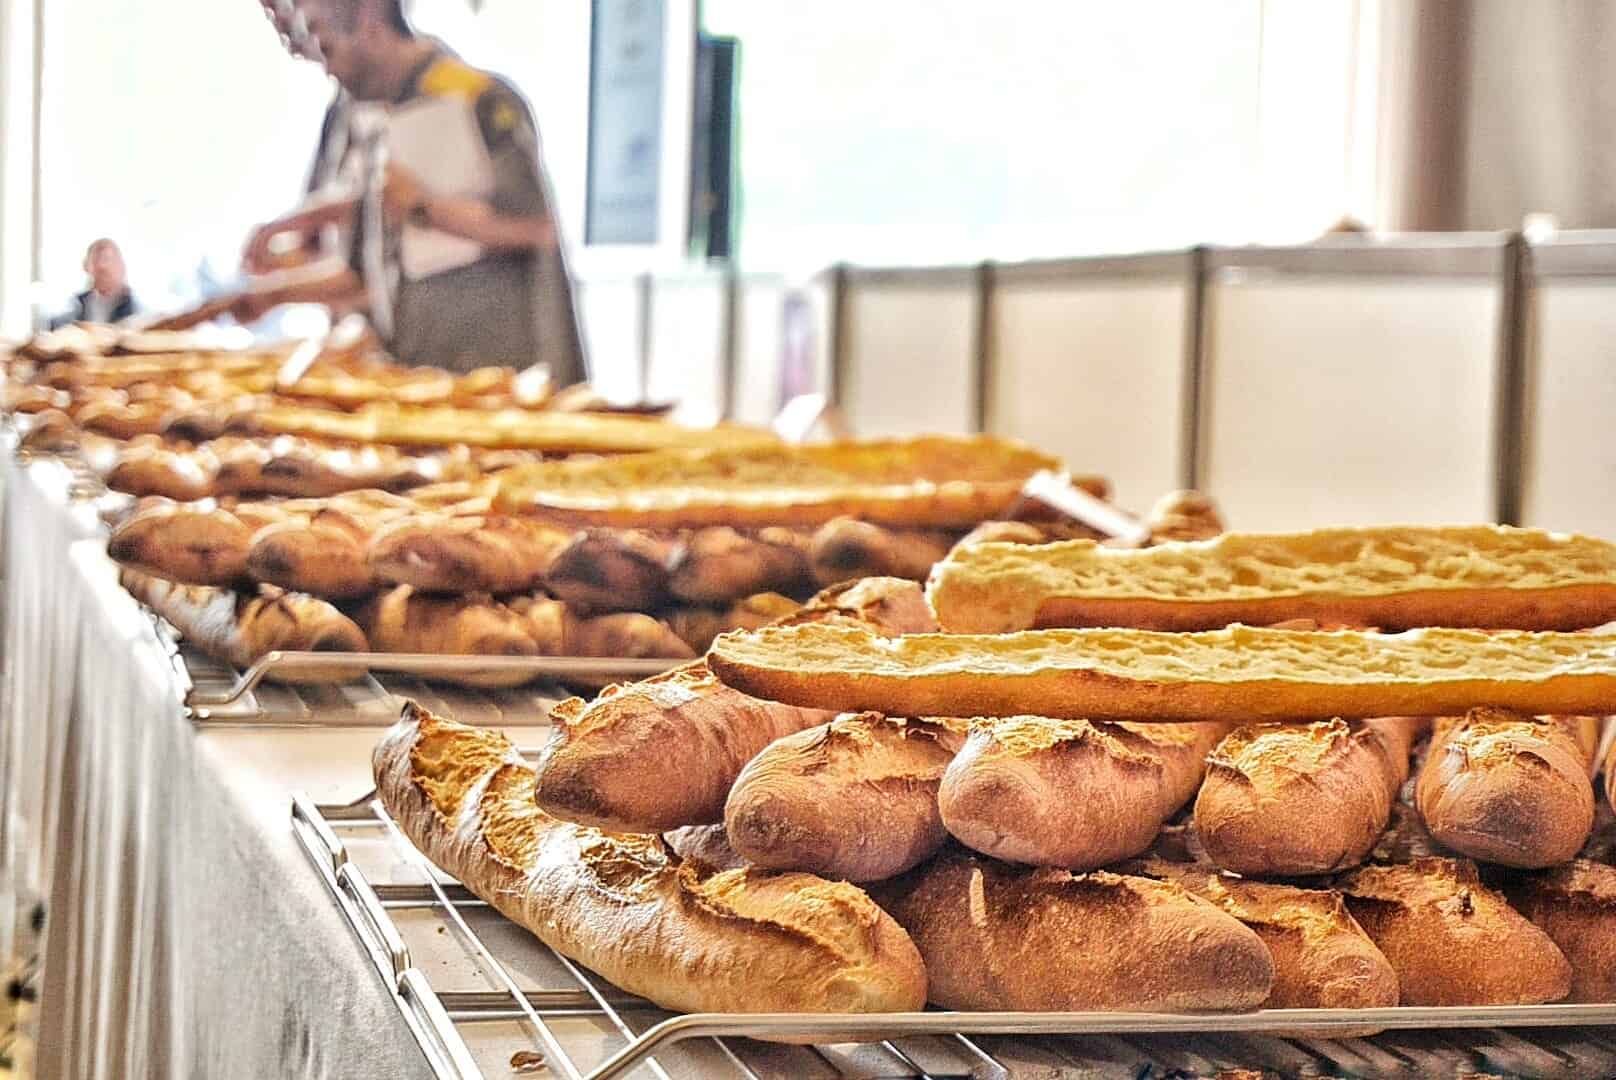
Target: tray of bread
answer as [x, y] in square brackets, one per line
[1313, 826]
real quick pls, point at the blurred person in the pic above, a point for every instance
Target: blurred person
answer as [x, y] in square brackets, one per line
[108, 299]
[448, 279]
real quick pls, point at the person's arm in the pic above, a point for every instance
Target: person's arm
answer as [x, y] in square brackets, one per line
[330, 282]
[468, 218]
[304, 224]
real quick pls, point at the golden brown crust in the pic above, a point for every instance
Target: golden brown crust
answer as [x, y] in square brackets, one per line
[1452, 940]
[181, 475]
[1070, 793]
[611, 570]
[1300, 799]
[1394, 577]
[454, 554]
[323, 556]
[855, 798]
[895, 605]
[406, 621]
[847, 549]
[679, 934]
[698, 626]
[1511, 789]
[1610, 775]
[705, 844]
[718, 565]
[1241, 672]
[191, 544]
[1575, 905]
[995, 937]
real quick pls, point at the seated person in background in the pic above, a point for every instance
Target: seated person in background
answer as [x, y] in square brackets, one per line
[108, 299]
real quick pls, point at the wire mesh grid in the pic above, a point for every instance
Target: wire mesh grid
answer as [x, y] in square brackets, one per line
[486, 999]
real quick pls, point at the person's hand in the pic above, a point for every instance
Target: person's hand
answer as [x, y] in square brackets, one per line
[248, 307]
[266, 250]
[402, 193]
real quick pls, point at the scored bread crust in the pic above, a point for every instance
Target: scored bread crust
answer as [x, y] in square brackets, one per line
[706, 844]
[1301, 799]
[611, 570]
[1452, 940]
[998, 937]
[681, 935]
[847, 549]
[193, 545]
[323, 556]
[1575, 905]
[1241, 672]
[1394, 577]
[445, 553]
[1070, 793]
[933, 481]
[855, 798]
[404, 620]
[1511, 789]
[181, 475]
[1322, 957]
[718, 565]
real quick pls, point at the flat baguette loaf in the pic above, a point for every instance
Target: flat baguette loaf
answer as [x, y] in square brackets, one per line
[1452, 940]
[1511, 789]
[1241, 672]
[1394, 577]
[1322, 957]
[1304, 798]
[678, 934]
[997, 937]
[1070, 793]
[241, 628]
[931, 482]
[855, 798]
[1575, 905]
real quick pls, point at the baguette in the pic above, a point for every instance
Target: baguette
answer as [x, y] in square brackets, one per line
[1322, 957]
[1610, 774]
[847, 548]
[403, 620]
[931, 482]
[718, 565]
[890, 605]
[51, 432]
[191, 544]
[1242, 671]
[680, 935]
[705, 844]
[1071, 793]
[855, 798]
[240, 628]
[1511, 789]
[1575, 905]
[996, 937]
[181, 475]
[1452, 940]
[1301, 799]
[698, 626]
[1395, 577]
[611, 570]
[323, 556]
[613, 763]
[471, 554]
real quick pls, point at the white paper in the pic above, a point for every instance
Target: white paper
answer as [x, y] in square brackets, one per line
[440, 143]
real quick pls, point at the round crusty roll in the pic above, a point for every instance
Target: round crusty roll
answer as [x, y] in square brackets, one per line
[855, 798]
[1039, 940]
[681, 935]
[1510, 789]
[1070, 793]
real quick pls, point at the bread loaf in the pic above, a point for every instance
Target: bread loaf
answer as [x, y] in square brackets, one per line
[678, 934]
[847, 548]
[1575, 905]
[718, 565]
[240, 629]
[451, 554]
[1071, 793]
[191, 544]
[1184, 515]
[611, 570]
[1322, 957]
[323, 556]
[705, 844]
[855, 798]
[698, 626]
[403, 620]
[887, 605]
[995, 937]
[1394, 577]
[1610, 774]
[1507, 788]
[1299, 799]
[181, 475]
[560, 631]
[1452, 940]
[614, 762]
[1240, 672]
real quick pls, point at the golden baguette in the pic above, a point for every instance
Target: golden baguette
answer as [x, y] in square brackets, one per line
[1240, 672]
[678, 934]
[936, 482]
[1575, 905]
[1484, 576]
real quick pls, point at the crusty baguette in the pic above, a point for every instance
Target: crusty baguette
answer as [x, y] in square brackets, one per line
[1070, 793]
[1610, 772]
[454, 554]
[611, 570]
[698, 626]
[241, 628]
[1300, 799]
[705, 844]
[662, 753]
[1322, 957]
[1240, 672]
[680, 935]
[718, 565]
[1394, 577]
[997, 937]
[930, 482]
[560, 631]
[51, 432]
[1507, 788]
[403, 620]
[323, 555]
[1575, 905]
[855, 798]
[891, 605]
[1452, 940]
[191, 544]
[847, 548]
[181, 475]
